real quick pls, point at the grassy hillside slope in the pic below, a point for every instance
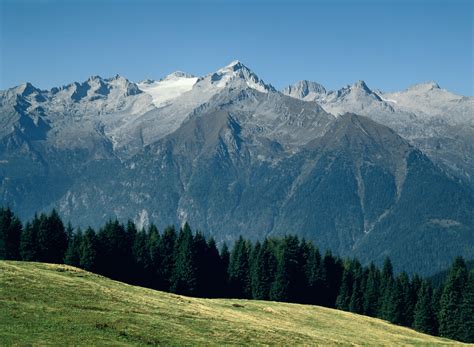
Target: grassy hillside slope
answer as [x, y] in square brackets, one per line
[58, 304]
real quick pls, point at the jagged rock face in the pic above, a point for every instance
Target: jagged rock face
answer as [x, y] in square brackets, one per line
[232, 156]
[436, 121]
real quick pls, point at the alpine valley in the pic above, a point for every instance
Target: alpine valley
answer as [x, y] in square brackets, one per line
[358, 171]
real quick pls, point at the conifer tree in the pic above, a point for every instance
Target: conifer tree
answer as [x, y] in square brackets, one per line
[314, 276]
[225, 260]
[184, 278]
[356, 302]
[424, 316]
[154, 255]
[345, 291]
[450, 319]
[52, 238]
[467, 311]
[10, 234]
[73, 251]
[165, 258]
[331, 270]
[372, 292]
[29, 240]
[114, 256]
[142, 259]
[289, 273]
[239, 270]
[88, 250]
[264, 272]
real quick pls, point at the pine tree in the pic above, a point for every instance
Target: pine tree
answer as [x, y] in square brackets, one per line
[225, 260]
[424, 316]
[450, 319]
[467, 311]
[239, 270]
[204, 277]
[154, 240]
[289, 274]
[165, 259]
[331, 273]
[114, 256]
[142, 261]
[88, 250]
[52, 238]
[387, 287]
[356, 302]
[345, 291]
[10, 234]
[29, 240]
[372, 292]
[184, 279]
[314, 276]
[264, 272]
[73, 251]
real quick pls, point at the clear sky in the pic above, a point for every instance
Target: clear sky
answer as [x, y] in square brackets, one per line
[389, 44]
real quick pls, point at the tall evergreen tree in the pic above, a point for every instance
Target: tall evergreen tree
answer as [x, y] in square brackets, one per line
[467, 311]
[345, 291]
[225, 260]
[356, 303]
[450, 319]
[10, 234]
[184, 279]
[289, 274]
[73, 251]
[424, 316]
[165, 259]
[29, 240]
[239, 270]
[114, 256]
[372, 291]
[52, 238]
[387, 286]
[88, 250]
[264, 272]
[314, 276]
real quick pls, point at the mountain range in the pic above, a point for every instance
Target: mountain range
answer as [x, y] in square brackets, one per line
[358, 171]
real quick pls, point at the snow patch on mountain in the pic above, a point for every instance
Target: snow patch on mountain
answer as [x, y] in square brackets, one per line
[169, 88]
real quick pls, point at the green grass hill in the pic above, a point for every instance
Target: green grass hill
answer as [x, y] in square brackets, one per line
[57, 304]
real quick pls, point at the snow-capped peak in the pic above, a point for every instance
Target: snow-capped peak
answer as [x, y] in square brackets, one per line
[236, 72]
[177, 75]
[424, 87]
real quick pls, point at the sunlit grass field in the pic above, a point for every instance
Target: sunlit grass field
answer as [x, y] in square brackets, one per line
[58, 304]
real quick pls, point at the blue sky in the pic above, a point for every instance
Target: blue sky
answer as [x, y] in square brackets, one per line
[389, 44]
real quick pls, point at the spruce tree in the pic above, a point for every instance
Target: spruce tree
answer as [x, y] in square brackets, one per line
[29, 250]
[10, 234]
[114, 256]
[356, 303]
[289, 274]
[225, 260]
[88, 250]
[372, 291]
[314, 276]
[450, 318]
[73, 251]
[344, 297]
[424, 315]
[184, 279]
[264, 272]
[165, 259]
[467, 311]
[239, 270]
